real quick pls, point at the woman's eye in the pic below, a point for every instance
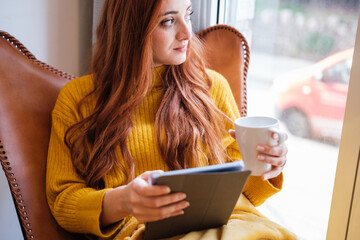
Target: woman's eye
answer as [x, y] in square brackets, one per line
[188, 17]
[167, 22]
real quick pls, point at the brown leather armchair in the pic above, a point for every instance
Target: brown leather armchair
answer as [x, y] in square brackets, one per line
[228, 53]
[28, 91]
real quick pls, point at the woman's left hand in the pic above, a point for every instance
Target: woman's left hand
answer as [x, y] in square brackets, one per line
[276, 156]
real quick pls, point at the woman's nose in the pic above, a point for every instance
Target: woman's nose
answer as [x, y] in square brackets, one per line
[185, 31]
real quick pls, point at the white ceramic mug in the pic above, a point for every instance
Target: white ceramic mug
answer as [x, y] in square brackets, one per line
[251, 131]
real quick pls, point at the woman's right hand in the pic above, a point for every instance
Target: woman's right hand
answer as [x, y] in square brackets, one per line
[147, 203]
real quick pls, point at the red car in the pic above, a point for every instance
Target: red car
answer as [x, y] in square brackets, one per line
[312, 100]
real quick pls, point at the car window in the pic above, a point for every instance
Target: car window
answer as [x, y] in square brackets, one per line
[338, 73]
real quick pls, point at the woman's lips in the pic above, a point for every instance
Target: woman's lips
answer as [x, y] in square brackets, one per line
[181, 48]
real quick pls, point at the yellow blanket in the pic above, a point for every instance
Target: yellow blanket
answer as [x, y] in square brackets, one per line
[245, 223]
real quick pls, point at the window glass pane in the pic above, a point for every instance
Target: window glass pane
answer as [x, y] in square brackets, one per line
[300, 60]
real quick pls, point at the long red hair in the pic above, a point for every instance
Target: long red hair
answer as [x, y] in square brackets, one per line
[122, 73]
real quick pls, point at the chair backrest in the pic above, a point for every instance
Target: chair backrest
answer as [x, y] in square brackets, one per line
[28, 91]
[227, 52]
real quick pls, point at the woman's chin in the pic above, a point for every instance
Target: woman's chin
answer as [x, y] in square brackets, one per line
[179, 61]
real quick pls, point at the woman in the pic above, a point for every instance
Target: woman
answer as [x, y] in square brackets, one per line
[148, 105]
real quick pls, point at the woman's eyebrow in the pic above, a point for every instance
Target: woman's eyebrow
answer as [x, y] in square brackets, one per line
[175, 12]
[170, 12]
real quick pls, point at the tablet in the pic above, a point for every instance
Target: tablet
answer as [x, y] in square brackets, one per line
[235, 166]
[212, 192]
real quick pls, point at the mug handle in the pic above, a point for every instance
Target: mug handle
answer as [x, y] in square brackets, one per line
[274, 143]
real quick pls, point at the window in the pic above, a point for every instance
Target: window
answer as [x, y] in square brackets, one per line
[300, 60]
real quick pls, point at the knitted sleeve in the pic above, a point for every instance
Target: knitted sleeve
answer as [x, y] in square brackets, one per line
[256, 190]
[75, 206]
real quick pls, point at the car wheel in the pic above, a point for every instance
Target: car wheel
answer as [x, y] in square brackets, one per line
[297, 123]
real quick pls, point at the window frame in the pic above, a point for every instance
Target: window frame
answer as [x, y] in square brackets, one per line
[345, 205]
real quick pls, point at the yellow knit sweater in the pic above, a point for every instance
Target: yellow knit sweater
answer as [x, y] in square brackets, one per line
[77, 207]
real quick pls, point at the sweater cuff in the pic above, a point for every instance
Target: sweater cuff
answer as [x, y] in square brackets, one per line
[90, 208]
[257, 190]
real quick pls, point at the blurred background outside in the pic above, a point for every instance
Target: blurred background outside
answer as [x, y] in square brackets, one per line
[297, 74]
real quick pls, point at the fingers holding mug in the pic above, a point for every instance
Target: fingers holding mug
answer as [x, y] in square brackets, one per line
[277, 151]
[261, 144]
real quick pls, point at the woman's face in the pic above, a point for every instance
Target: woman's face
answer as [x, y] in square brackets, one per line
[171, 37]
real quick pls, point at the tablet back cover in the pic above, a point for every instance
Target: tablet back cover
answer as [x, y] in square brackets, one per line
[212, 198]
